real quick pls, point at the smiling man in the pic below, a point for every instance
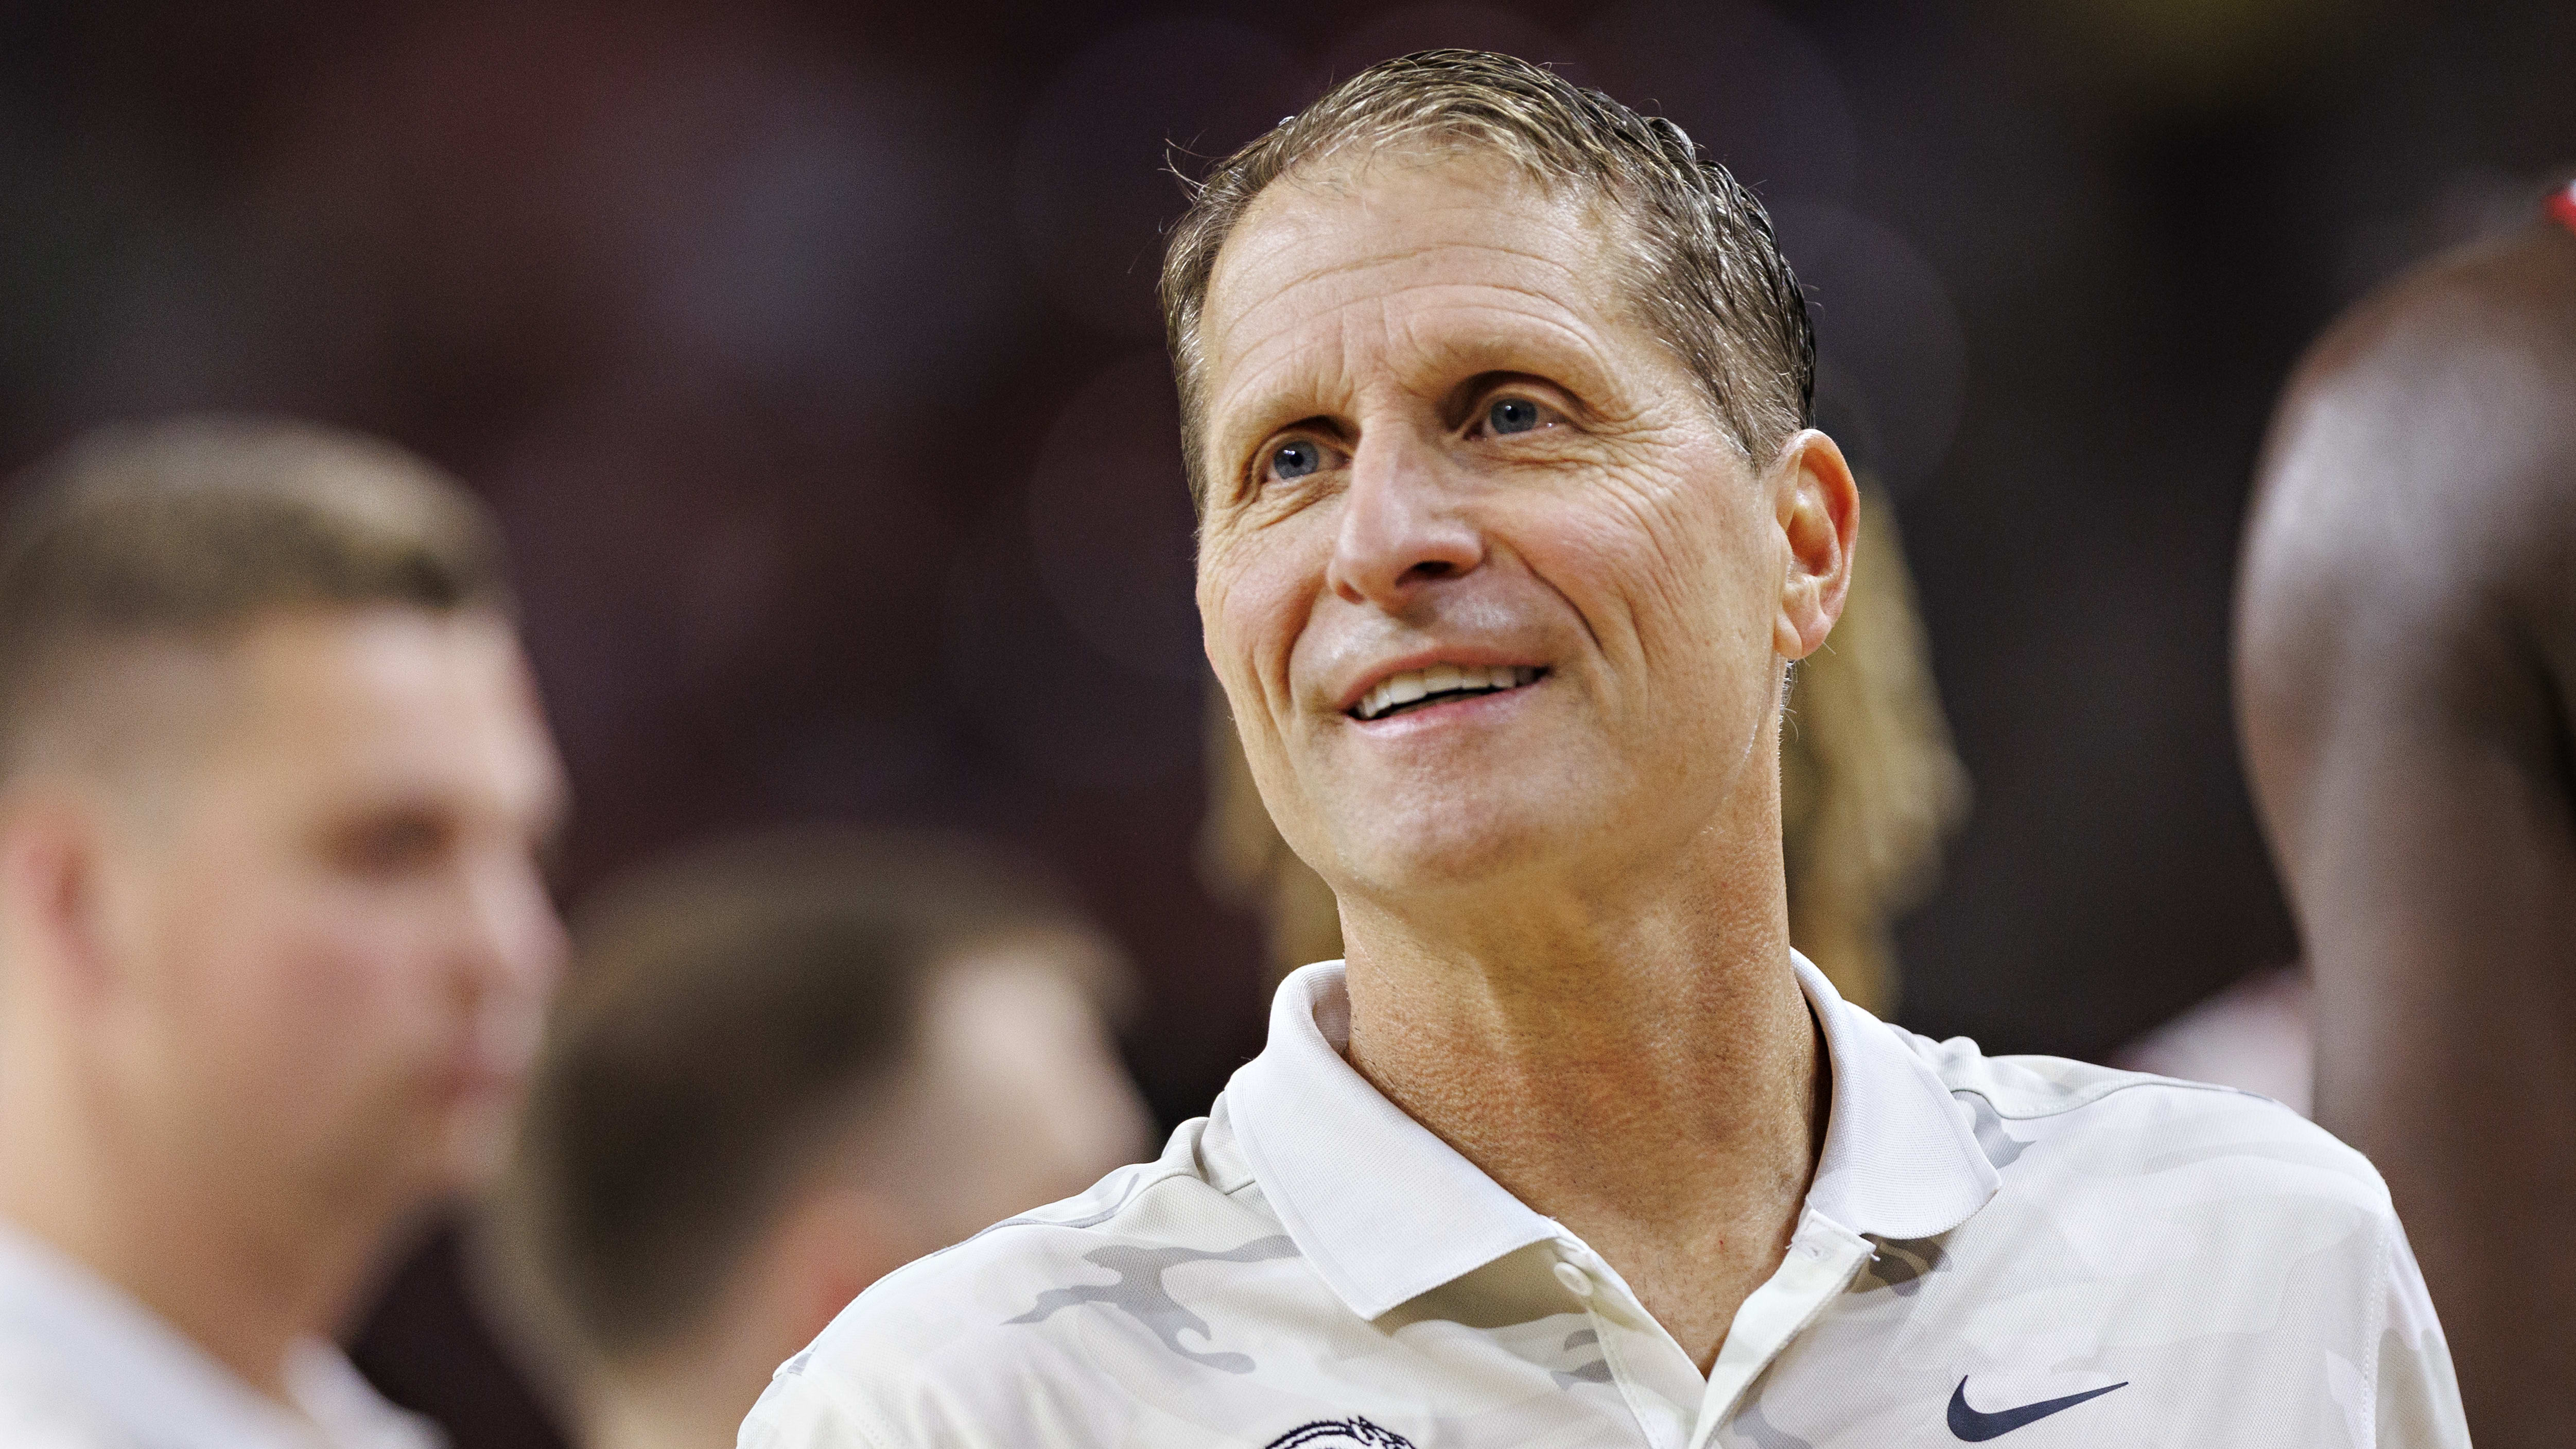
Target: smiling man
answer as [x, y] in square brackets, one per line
[1495, 399]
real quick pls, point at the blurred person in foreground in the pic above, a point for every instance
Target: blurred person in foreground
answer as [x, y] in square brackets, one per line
[1495, 399]
[274, 939]
[785, 1067]
[2406, 681]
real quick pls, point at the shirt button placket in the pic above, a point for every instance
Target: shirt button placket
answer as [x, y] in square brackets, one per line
[1654, 1415]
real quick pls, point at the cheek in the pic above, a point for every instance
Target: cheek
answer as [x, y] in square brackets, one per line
[1631, 569]
[1254, 597]
[326, 982]
[1669, 581]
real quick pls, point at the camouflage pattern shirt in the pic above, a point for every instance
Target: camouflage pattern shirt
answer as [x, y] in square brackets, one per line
[2020, 1249]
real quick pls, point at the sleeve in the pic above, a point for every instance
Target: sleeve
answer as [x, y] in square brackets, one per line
[2418, 1400]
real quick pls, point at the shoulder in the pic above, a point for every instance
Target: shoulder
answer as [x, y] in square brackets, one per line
[1178, 1203]
[2484, 335]
[2050, 1123]
[977, 1340]
[2230, 1259]
[2407, 556]
[2165, 1212]
[2421, 439]
[2170, 1211]
[2510, 297]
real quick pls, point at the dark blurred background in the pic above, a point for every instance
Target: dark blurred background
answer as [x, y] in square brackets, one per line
[809, 353]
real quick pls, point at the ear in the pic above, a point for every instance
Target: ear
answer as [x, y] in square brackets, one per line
[1818, 507]
[52, 863]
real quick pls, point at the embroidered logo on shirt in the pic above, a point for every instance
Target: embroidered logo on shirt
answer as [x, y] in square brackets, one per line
[1139, 1293]
[1977, 1427]
[1351, 1433]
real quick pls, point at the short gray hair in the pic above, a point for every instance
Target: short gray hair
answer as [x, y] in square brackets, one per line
[1704, 268]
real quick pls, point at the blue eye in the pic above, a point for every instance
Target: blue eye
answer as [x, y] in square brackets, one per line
[1296, 459]
[1512, 415]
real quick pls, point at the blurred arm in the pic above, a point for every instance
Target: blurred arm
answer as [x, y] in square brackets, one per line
[2406, 662]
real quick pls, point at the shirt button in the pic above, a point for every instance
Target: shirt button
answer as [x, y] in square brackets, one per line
[1576, 1281]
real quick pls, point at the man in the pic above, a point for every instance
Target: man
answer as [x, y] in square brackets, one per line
[1495, 394]
[273, 936]
[788, 1066]
[2406, 676]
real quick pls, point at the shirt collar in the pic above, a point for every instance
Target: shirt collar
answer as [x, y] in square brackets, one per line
[1901, 1158]
[1385, 1211]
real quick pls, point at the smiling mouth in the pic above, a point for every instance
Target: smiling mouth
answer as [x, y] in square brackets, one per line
[1439, 684]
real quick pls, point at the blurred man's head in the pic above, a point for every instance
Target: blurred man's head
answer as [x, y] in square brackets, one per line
[785, 1067]
[1495, 399]
[273, 787]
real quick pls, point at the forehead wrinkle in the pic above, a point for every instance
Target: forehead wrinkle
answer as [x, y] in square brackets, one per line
[1269, 371]
[1270, 230]
[1286, 299]
[1443, 352]
[1334, 269]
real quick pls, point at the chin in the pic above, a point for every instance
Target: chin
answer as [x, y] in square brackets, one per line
[1416, 853]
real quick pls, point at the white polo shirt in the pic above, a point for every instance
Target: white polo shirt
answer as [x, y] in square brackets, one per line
[84, 1366]
[2013, 1248]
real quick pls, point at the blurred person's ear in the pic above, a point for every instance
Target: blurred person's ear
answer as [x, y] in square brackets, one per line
[54, 932]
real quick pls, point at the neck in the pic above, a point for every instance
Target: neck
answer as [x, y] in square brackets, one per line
[1638, 1064]
[242, 1273]
[689, 1395]
[641, 1419]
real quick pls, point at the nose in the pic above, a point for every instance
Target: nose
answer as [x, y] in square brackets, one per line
[515, 942]
[1403, 525]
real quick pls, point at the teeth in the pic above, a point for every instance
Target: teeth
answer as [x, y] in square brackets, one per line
[1398, 690]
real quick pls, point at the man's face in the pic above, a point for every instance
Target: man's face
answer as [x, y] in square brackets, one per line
[1445, 456]
[337, 937]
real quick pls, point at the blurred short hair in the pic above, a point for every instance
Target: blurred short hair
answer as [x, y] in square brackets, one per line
[192, 528]
[1703, 269]
[733, 1014]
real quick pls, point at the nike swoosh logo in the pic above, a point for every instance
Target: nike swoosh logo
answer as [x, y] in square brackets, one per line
[1977, 1427]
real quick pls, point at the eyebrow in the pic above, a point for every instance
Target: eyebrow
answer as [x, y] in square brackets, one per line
[1542, 348]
